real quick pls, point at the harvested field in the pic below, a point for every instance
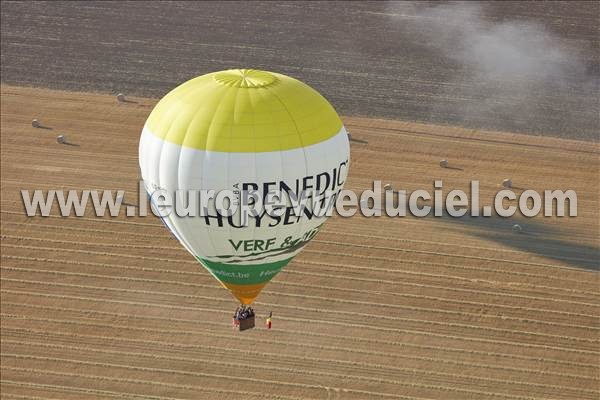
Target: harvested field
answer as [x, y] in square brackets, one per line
[374, 308]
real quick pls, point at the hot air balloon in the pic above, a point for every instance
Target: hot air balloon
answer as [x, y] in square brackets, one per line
[244, 129]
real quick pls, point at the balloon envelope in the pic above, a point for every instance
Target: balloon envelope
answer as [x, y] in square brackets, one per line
[242, 130]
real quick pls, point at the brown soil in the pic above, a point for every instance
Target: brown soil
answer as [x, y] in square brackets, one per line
[363, 56]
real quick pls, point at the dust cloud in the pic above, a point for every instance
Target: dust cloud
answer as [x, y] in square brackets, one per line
[505, 68]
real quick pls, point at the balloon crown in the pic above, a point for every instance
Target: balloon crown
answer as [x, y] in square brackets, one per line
[245, 78]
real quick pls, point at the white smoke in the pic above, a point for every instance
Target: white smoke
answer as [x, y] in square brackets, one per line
[503, 69]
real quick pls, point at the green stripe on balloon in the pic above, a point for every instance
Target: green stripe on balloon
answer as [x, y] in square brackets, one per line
[244, 274]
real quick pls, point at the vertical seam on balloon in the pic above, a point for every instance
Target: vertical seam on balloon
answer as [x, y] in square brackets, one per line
[237, 92]
[281, 153]
[212, 242]
[328, 158]
[192, 243]
[160, 153]
[166, 141]
[208, 228]
[180, 223]
[255, 159]
[301, 142]
[202, 179]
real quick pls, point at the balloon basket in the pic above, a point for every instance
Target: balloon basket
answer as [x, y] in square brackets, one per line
[246, 323]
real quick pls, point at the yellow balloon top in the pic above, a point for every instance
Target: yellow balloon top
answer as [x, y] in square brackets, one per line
[244, 110]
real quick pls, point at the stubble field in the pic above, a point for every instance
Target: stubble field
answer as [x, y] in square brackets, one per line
[394, 308]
